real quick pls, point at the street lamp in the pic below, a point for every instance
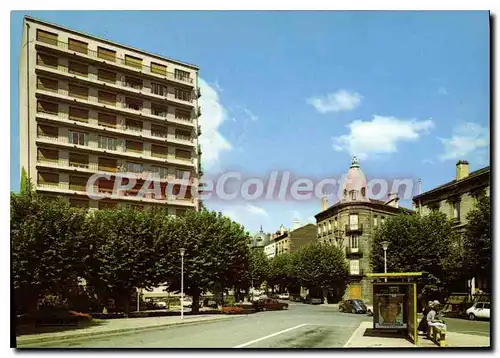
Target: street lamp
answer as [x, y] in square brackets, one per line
[182, 250]
[385, 246]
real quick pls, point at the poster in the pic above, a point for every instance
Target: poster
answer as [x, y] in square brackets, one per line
[391, 311]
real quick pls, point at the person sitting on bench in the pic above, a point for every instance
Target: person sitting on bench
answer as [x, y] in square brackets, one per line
[432, 320]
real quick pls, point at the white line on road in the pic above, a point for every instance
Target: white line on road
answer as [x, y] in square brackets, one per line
[269, 336]
[353, 335]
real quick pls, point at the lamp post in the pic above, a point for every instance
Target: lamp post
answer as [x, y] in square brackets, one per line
[182, 250]
[385, 246]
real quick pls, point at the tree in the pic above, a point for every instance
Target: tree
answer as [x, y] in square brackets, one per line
[259, 267]
[477, 239]
[25, 184]
[49, 251]
[282, 271]
[417, 244]
[321, 265]
[128, 246]
[216, 254]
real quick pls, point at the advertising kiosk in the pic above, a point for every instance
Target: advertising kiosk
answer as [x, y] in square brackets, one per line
[395, 303]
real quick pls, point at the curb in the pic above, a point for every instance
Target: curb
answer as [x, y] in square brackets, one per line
[25, 343]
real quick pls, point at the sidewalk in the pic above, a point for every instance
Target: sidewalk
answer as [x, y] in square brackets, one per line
[116, 326]
[360, 340]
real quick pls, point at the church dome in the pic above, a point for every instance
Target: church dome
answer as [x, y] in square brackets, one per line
[260, 239]
[355, 186]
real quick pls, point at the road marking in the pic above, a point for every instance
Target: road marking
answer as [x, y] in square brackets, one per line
[354, 334]
[269, 336]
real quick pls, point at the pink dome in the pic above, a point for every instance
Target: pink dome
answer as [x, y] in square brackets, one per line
[355, 184]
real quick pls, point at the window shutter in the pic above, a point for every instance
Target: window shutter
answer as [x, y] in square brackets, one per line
[48, 131]
[106, 97]
[78, 91]
[106, 164]
[78, 46]
[49, 178]
[46, 60]
[158, 69]
[78, 69]
[134, 146]
[159, 151]
[106, 120]
[106, 76]
[78, 114]
[47, 84]
[48, 155]
[106, 54]
[47, 37]
[133, 61]
[47, 107]
[182, 154]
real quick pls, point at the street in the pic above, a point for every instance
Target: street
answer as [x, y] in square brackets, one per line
[302, 326]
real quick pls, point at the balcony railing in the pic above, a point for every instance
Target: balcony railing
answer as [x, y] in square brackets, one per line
[354, 251]
[353, 228]
[113, 59]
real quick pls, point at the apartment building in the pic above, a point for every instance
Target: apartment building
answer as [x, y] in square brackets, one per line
[89, 105]
[290, 240]
[350, 224]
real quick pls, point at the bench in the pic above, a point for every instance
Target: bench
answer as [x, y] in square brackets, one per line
[437, 335]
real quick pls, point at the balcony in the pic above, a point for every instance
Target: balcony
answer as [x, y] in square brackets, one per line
[357, 273]
[113, 61]
[198, 92]
[352, 228]
[354, 251]
[90, 78]
[123, 108]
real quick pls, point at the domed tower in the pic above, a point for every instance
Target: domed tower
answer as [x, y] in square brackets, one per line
[260, 239]
[355, 187]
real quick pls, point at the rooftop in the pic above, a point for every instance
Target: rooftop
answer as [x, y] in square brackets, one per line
[42, 22]
[454, 182]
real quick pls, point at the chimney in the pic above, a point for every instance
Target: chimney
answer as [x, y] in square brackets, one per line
[296, 224]
[324, 203]
[393, 200]
[419, 186]
[462, 169]
[282, 229]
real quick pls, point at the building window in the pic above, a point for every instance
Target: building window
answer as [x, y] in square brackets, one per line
[363, 192]
[107, 143]
[47, 37]
[46, 60]
[47, 84]
[78, 46]
[133, 83]
[353, 242]
[335, 223]
[456, 210]
[78, 160]
[78, 114]
[353, 221]
[354, 267]
[106, 120]
[135, 168]
[133, 125]
[329, 225]
[375, 221]
[319, 229]
[107, 165]
[160, 172]
[133, 61]
[182, 154]
[159, 111]
[182, 95]
[106, 76]
[79, 138]
[182, 75]
[78, 69]
[183, 115]
[382, 220]
[158, 69]
[159, 131]
[78, 91]
[158, 89]
[353, 194]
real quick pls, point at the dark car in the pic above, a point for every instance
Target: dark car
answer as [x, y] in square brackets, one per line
[271, 304]
[353, 306]
[313, 300]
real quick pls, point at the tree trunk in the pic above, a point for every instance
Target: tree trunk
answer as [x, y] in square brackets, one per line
[195, 309]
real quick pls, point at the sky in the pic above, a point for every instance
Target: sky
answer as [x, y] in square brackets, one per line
[408, 93]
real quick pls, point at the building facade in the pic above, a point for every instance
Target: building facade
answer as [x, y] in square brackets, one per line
[349, 224]
[286, 240]
[260, 240]
[455, 199]
[89, 105]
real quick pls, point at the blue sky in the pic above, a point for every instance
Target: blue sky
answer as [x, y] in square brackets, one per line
[407, 92]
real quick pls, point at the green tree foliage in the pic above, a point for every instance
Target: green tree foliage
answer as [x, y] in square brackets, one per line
[49, 252]
[216, 256]
[417, 244]
[282, 271]
[477, 239]
[321, 265]
[259, 267]
[127, 245]
[25, 184]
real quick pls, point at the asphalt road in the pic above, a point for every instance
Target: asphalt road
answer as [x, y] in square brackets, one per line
[459, 325]
[301, 326]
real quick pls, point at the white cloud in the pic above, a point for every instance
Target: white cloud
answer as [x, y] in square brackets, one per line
[256, 210]
[217, 85]
[252, 116]
[213, 143]
[442, 91]
[428, 161]
[468, 139]
[380, 135]
[295, 214]
[341, 100]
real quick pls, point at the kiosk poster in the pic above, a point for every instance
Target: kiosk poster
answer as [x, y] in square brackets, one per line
[390, 307]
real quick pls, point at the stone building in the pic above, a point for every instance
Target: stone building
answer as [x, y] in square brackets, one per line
[349, 224]
[287, 240]
[259, 240]
[456, 198]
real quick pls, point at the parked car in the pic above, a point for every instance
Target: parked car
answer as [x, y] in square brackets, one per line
[353, 306]
[313, 300]
[187, 302]
[161, 304]
[479, 310]
[284, 296]
[271, 304]
[210, 302]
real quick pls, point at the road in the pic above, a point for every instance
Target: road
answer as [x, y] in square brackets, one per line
[301, 326]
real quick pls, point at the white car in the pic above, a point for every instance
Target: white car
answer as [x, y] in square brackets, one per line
[284, 296]
[161, 305]
[479, 310]
[187, 302]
